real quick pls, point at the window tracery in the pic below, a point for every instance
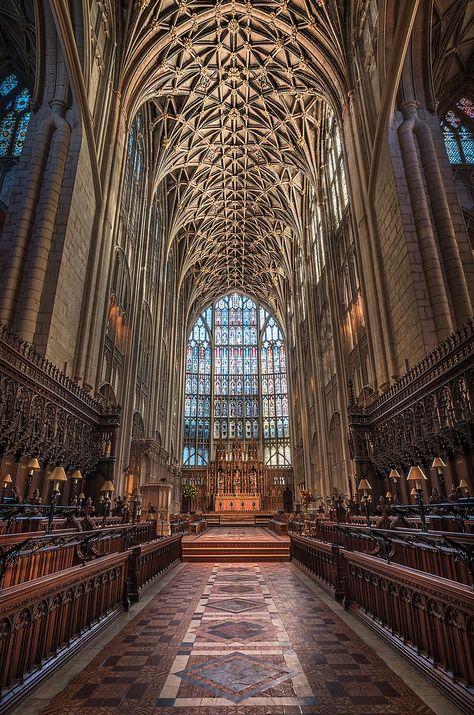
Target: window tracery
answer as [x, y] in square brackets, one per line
[116, 332]
[15, 116]
[335, 176]
[133, 186]
[144, 361]
[236, 383]
[458, 127]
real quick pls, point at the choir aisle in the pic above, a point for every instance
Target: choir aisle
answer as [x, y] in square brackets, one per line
[257, 639]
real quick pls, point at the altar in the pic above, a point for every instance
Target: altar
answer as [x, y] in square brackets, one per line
[237, 502]
[237, 479]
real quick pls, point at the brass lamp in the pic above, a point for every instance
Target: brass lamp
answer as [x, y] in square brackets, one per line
[417, 477]
[440, 466]
[365, 487]
[107, 488]
[6, 480]
[395, 476]
[75, 476]
[32, 466]
[57, 476]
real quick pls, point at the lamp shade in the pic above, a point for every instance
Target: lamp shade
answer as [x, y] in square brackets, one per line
[394, 474]
[81, 496]
[57, 475]
[76, 474]
[107, 486]
[33, 463]
[416, 474]
[463, 484]
[364, 484]
[388, 495]
[438, 463]
[7, 479]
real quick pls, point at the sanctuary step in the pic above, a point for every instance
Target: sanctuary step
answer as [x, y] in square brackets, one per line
[246, 544]
[238, 518]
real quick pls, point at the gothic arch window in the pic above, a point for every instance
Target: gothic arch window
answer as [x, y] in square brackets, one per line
[276, 423]
[317, 236]
[335, 172]
[458, 132]
[133, 181]
[197, 393]
[144, 361]
[15, 115]
[117, 326]
[236, 382]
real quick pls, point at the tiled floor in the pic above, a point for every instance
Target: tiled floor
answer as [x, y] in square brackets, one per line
[253, 639]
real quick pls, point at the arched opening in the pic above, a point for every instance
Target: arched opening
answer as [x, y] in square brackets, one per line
[236, 385]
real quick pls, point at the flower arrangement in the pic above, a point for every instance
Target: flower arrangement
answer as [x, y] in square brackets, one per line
[189, 491]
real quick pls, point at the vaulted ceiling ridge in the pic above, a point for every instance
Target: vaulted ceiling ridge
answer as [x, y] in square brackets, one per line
[236, 89]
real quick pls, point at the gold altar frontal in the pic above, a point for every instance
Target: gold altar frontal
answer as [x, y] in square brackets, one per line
[237, 502]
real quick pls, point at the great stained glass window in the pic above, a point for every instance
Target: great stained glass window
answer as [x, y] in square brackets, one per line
[458, 125]
[241, 346]
[14, 116]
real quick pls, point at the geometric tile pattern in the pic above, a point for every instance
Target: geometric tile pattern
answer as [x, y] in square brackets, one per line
[189, 652]
[236, 676]
[235, 605]
[236, 630]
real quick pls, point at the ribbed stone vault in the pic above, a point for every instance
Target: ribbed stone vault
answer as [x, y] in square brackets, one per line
[237, 89]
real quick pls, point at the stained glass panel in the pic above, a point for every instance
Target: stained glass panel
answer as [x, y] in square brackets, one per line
[197, 400]
[8, 85]
[16, 117]
[236, 383]
[458, 132]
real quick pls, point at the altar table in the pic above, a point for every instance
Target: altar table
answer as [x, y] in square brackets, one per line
[237, 502]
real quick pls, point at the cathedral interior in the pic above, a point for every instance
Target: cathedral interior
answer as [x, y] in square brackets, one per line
[236, 357]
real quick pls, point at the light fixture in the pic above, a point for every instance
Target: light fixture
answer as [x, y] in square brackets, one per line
[365, 487]
[75, 476]
[107, 487]
[6, 480]
[417, 475]
[32, 466]
[56, 476]
[438, 464]
[395, 475]
[463, 486]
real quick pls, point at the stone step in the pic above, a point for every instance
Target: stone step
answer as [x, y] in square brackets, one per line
[237, 551]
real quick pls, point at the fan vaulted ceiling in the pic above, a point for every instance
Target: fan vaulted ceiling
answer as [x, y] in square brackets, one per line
[237, 89]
